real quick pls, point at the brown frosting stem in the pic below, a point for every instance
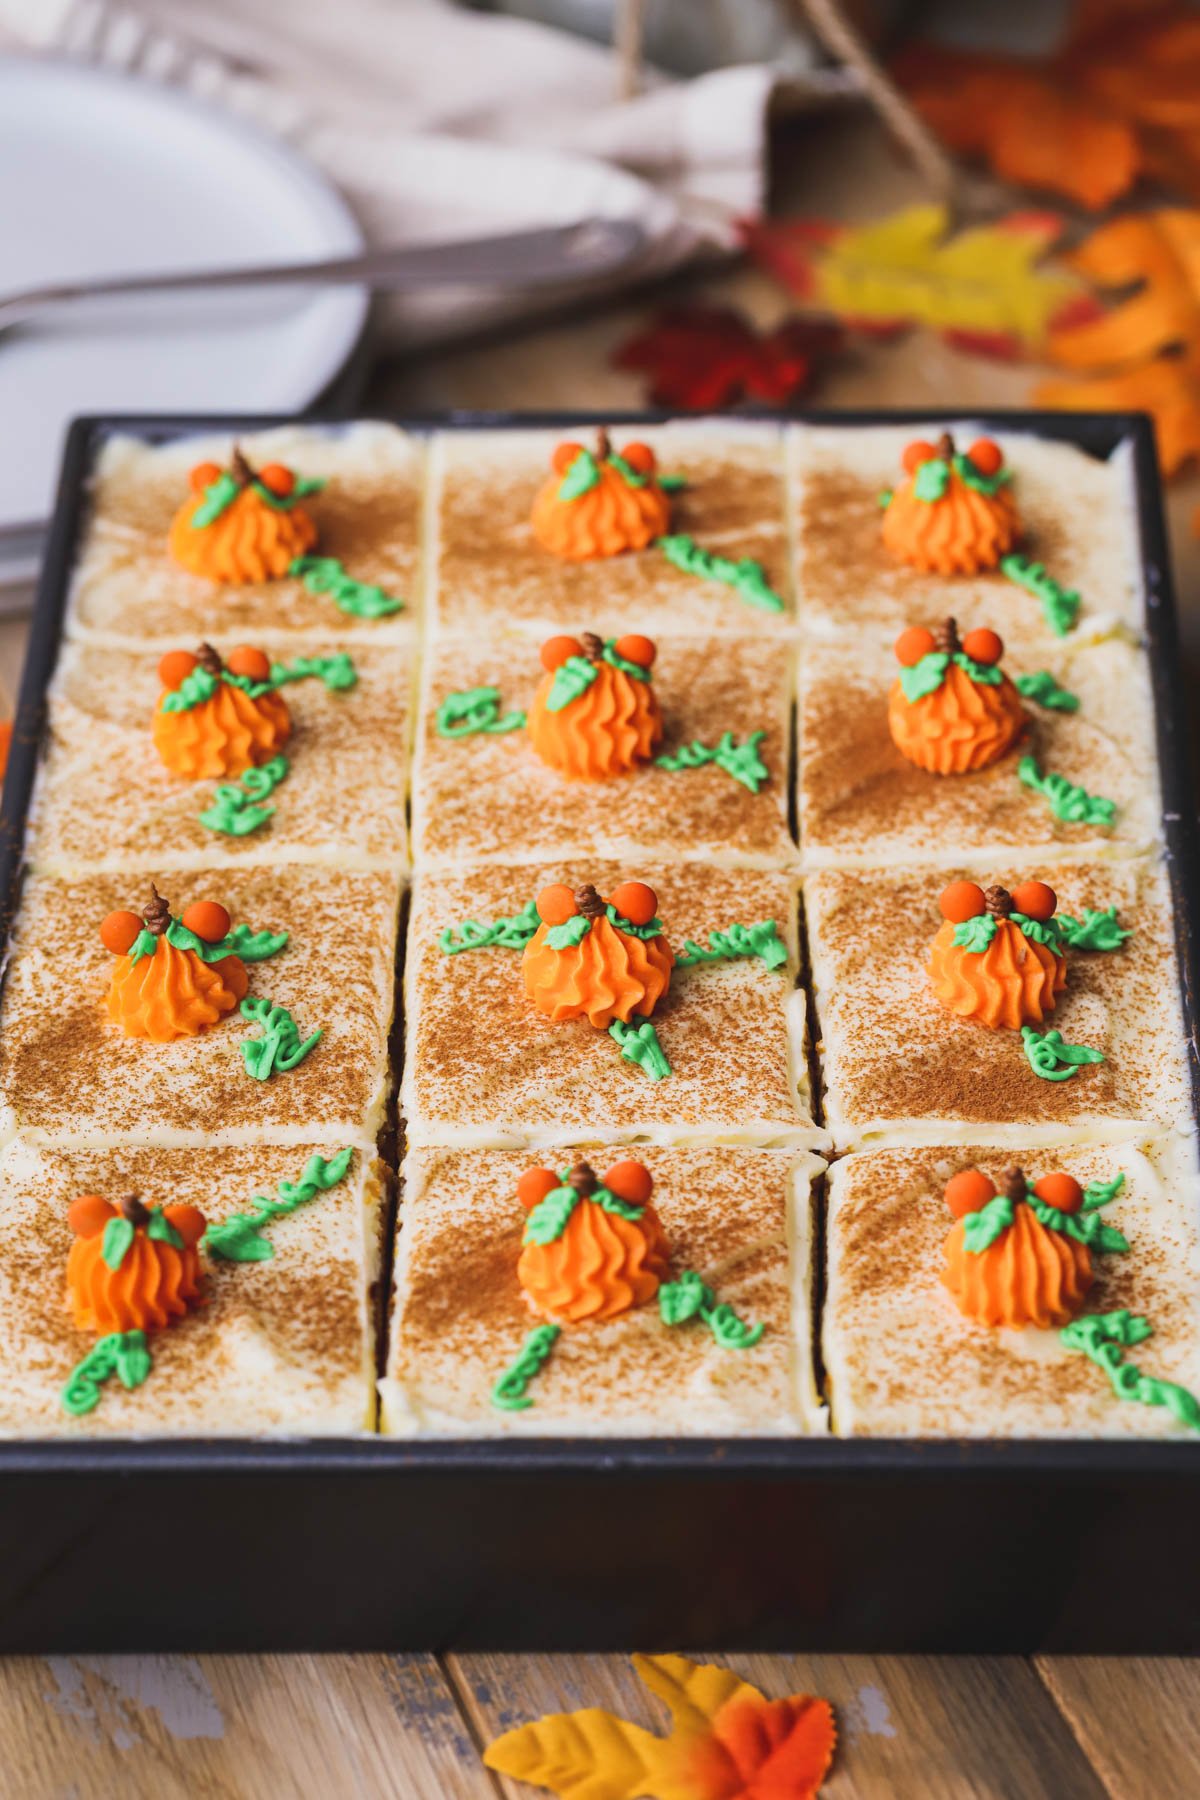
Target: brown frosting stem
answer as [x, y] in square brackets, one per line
[588, 901]
[1013, 1184]
[999, 902]
[158, 914]
[583, 1178]
[945, 636]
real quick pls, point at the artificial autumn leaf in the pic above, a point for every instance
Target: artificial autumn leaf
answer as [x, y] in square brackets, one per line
[1085, 122]
[699, 358]
[982, 287]
[1161, 251]
[1168, 388]
[728, 1742]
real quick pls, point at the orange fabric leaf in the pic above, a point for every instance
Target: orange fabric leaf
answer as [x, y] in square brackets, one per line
[1159, 250]
[728, 1743]
[1168, 389]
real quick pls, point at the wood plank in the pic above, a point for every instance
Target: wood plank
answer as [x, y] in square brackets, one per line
[944, 1728]
[1138, 1718]
[251, 1728]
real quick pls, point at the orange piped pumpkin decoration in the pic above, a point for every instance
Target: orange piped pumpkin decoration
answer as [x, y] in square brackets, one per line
[227, 733]
[605, 727]
[230, 531]
[142, 1280]
[1014, 981]
[601, 1265]
[951, 515]
[1030, 1274]
[593, 506]
[962, 724]
[604, 974]
[169, 993]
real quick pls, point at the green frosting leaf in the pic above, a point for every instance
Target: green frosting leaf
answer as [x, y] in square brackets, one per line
[161, 1229]
[638, 671]
[639, 1044]
[580, 478]
[549, 1218]
[303, 487]
[238, 1238]
[251, 946]
[572, 931]
[982, 1228]
[1043, 689]
[219, 496]
[1047, 1051]
[132, 1358]
[974, 478]
[926, 676]
[197, 687]
[1098, 930]
[1066, 800]
[975, 934]
[931, 479]
[571, 678]
[631, 476]
[117, 1241]
[652, 930]
[1041, 931]
[689, 1298]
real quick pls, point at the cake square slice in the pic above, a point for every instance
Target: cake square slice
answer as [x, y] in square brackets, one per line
[282, 1346]
[69, 1075]
[105, 800]
[484, 1067]
[1077, 513]
[490, 575]
[902, 1360]
[862, 803]
[898, 1064]
[739, 1219]
[128, 590]
[468, 790]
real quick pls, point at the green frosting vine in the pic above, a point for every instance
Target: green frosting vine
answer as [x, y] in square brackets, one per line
[1103, 1336]
[469, 710]
[236, 807]
[509, 934]
[688, 1297]
[239, 1237]
[1060, 606]
[1066, 800]
[280, 1046]
[746, 577]
[1043, 689]
[639, 1044]
[123, 1353]
[1046, 1051]
[651, 930]
[926, 676]
[981, 1229]
[336, 671]
[572, 931]
[742, 761]
[762, 940]
[325, 575]
[509, 1392]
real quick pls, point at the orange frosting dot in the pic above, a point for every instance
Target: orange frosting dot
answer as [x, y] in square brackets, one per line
[1013, 982]
[556, 904]
[987, 456]
[637, 649]
[208, 919]
[962, 900]
[635, 902]
[119, 931]
[918, 452]
[534, 1185]
[203, 475]
[983, 646]
[558, 650]
[188, 1221]
[246, 660]
[1061, 1191]
[969, 1191]
[913, 644]
[631, 1181]
[1036, 899]
[88, 1215]
[175, 667]
[1030, 1275]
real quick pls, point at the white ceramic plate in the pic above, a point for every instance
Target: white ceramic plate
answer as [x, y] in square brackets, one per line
[107, 175]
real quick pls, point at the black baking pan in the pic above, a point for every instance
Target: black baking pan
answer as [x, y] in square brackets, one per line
[821, 1544]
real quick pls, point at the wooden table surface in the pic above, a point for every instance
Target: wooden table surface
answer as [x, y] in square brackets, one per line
[411, 1726]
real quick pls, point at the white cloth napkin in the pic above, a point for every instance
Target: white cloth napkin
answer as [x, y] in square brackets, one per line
[437, 122]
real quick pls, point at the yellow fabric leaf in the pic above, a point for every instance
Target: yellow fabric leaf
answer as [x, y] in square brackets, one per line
[588, 1755]
[695, 1692]
[983, 280]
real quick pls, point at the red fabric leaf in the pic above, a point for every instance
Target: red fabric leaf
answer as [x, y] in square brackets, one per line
[700, 358]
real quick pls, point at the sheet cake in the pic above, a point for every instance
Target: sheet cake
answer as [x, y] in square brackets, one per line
[901, 1359]
[895, 1062]
[465, 790]
[70, 1076]
[105, 800]
[483, 1067]
[460, 1315]
[489, 576]
[285, 1346]
[127, 591]
[1077, 512]
[863, 804]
